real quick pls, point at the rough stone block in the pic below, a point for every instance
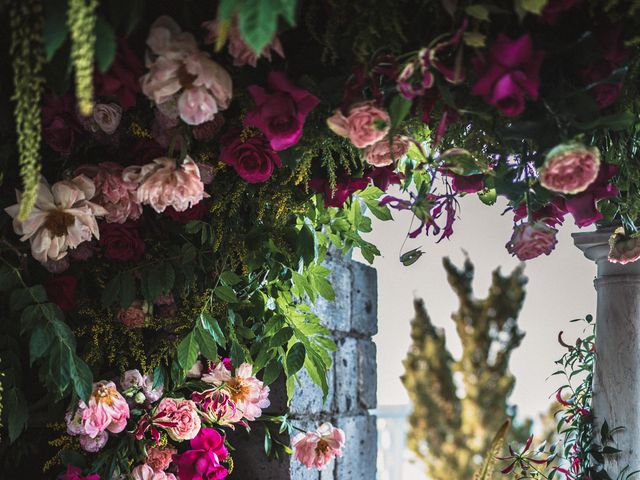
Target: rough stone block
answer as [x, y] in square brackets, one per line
[358, 461]
[307, 399]
[335, 314]
[367, 374]
[346, 375]
[250, 461]
[364, 299]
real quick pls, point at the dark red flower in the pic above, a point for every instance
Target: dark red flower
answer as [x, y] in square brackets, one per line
[59, 122]
[252, 157]
[555, 8]
[281, 110]
[145, 151]
[122, 80]
[196, 212]
[509, 73]
[75, 473]
[61, 290]
[345, 187]
[121, 241]
[384, 177]
[467, 183]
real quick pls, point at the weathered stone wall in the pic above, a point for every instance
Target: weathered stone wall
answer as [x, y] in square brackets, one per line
[352, 318]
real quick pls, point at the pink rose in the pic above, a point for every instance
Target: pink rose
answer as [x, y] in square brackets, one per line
[94, 445]
[385, 152]
[509, 73]
[178, 417]
[132, 317]
[203, 461]
[242, 54]
[570, 168]
[251, 156]
[317, 449]
[145, 472]
[530, 240]
[75, 473]
[364, 125]
[623, 248]
[160, 458]
[281, 110]
[164, 184]
[107, 116]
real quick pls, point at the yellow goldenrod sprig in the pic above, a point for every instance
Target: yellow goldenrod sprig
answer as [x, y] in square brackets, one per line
[81, 19]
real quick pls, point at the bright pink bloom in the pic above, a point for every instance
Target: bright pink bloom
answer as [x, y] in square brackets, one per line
[204, 460]
[364, 125]
[242, 54]
[75, 473]
[178, 417]
[530, 240]
[386, 151]
[317, 449]
[281, 110]
[145, 472]
[160, 458]
[623, 248]
[252, 157]
[509, 73]
[164, 184]
[570, 168]
[217, 407]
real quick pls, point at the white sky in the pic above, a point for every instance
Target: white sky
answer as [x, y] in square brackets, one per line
[560, 288]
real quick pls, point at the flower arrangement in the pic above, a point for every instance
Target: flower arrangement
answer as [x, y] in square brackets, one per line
[173, 205]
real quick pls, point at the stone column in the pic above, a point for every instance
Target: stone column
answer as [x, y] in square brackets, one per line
[352, 319]
[616, 386]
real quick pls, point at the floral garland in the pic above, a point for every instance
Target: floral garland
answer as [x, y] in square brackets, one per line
[185, 220]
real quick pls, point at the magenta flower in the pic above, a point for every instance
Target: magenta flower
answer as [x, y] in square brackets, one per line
[203, 461]
[345, 187]
[583, 206]
[509, 73]
[75, 473]
[281, 110]
[252, 157]
[384, 177]
[466, 183]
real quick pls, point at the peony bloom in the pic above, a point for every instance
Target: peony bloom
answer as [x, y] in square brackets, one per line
[221, 372]
[509, 73]
[385, 152]
[145, 472]
[530, 240]
[75, 473]
[623, 248]
[281, 110]
[164, 184]
[203, 461]
[570, 168]
[178, 417]
[160, 458]
[107, 116]
[62, 291]
[179, 68]
[107, 410]
[364, 125]
[121, 242]
[251, 156]
[62, 218]
[217, 407]
[242, 54]
[317, 449]
[94, 445]
[248, 393]
[133, 316]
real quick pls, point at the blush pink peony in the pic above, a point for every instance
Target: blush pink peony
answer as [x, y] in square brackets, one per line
[164, 184]
[63, 217]
[364, 125]
[145, 472]
[160, 458]
[248, 393]
[570, 168]
[623, 248]
[385, 152]
[530, 240]
[106, 410]
[317, 449]
[178, 417]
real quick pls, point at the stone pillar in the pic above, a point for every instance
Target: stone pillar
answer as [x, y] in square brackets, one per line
[352, 319]
[616, 386]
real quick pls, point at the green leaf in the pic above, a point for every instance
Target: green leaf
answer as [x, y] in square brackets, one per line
[295, 358]
[230, 278]
[16, 411]
[8, 278]
[237, 354]
[207, 342]
[105, 44]
[272, 372]
[411, 257]
[82, 379]
[213, 328]
[532, 6]
[158, 377]
[258, 22]
[226, 294]
[127, 289]
[55, 27]
[111, 291]
[281, 337]
[307, 246]
[40, 342]
[188, 351]
[398, 110]
[481, 12]
[22, 297]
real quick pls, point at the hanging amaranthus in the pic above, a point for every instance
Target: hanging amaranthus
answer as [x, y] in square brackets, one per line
[81, 19]
[28, 58]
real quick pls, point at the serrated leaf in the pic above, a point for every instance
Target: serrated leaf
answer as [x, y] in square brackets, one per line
[281, 337]
[258, 22]
[295, 358]
[237, 354]
[8, 278]
[39, 342]
[188, 351]
[82, 379]
[22, 297]
[226, 294]
[206, 341]
[213, 327]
